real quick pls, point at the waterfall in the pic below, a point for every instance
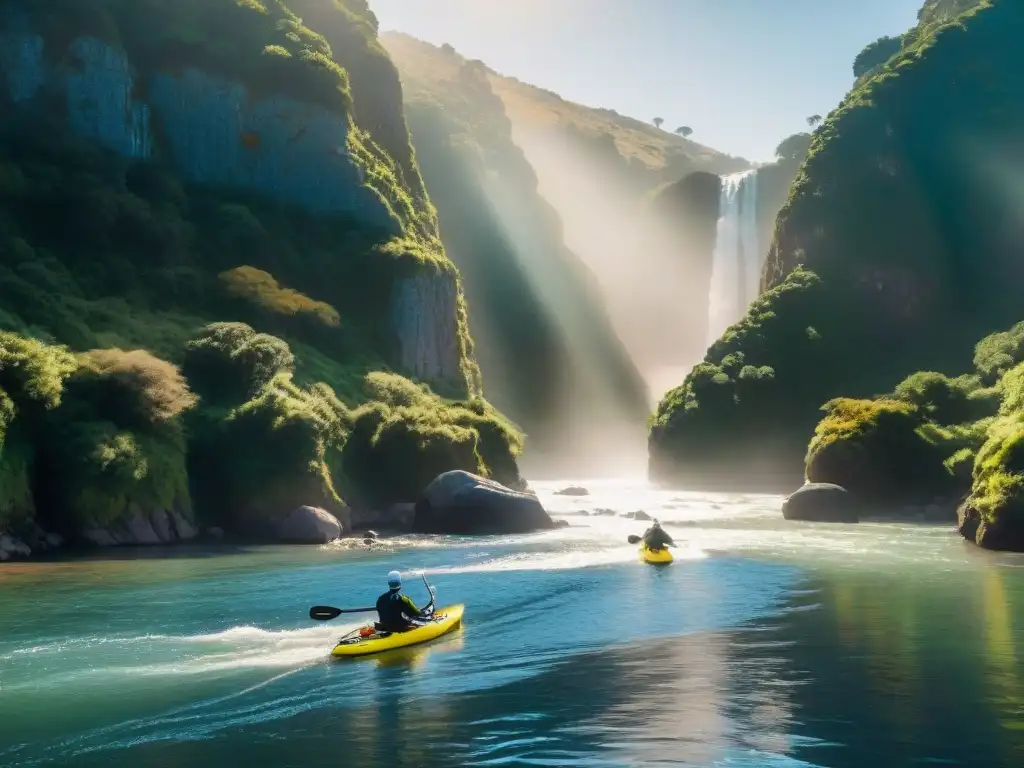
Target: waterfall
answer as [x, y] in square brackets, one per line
[736, 264]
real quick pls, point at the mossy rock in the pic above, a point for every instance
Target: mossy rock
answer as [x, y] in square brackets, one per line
[877, 450]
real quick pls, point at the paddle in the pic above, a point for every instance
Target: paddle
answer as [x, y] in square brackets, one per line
[430, 590]
[327, 612]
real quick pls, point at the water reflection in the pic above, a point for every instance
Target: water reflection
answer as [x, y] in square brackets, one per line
[716, 662]
[893, 670]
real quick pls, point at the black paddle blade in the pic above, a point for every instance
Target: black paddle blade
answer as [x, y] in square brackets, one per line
[324, 612]
[633, 539]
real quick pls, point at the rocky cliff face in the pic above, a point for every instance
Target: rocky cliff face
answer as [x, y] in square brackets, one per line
[214, 130]
[218, 179]
[226, 132]
[548, 354]
[903, 211]
[681, 225]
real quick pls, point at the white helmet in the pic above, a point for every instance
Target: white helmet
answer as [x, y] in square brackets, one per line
[394, 579]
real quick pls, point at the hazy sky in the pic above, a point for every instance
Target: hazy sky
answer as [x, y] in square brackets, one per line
[742, 73]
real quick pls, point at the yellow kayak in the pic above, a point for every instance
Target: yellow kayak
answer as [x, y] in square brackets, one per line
[444, 621]
[656, 556]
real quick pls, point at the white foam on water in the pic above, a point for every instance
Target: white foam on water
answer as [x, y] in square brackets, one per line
[85, 659]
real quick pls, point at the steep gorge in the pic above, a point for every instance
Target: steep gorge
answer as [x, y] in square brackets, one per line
[893, 253]
[550, 357]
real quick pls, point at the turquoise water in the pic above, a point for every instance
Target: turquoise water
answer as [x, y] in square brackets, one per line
[765, 644]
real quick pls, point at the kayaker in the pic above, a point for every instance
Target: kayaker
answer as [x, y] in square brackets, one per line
[655, 537]
[397, 612]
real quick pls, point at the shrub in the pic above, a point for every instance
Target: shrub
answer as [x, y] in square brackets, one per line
[117, 442]
[880, 450]
[998, 353]
[268, 455]
[31, 370]
[875, 54]
[105, 472]
[228, 363]
[133, 389]
[406, 436]
[997, 492]
[32, 379]
[263, 291]
[944, 400]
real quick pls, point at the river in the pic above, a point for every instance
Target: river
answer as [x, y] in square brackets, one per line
[766, 643]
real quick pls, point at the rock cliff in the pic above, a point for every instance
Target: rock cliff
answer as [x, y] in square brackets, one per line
[893, 253]
[549, 355]
[213, 230]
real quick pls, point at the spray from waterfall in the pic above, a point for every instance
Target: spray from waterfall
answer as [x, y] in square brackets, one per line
[736, 264]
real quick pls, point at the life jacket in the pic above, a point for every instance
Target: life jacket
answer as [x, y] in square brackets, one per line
[395, 611]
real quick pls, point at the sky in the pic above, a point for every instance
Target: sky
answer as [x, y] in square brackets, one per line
[744, 74]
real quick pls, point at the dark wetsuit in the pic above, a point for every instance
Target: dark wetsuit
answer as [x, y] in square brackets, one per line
[656, 538]
[396, 612]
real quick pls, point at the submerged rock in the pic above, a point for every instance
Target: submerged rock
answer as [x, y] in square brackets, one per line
[460, 502]
[573, 490]
[821, 503]
[308, 525]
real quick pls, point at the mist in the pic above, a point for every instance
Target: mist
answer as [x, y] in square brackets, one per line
[650, 279]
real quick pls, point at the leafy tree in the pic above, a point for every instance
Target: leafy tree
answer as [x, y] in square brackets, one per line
[794, 147]
[814, 121]
[875, 54]
[658, 121]
[684, 131]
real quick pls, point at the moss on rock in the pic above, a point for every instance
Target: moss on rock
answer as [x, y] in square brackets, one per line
[912, 245]
[405, 436]
[751, 384]
[880, 450]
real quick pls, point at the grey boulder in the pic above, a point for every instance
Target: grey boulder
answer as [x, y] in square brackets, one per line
[460, 502]
[821, 503]
[308, 525]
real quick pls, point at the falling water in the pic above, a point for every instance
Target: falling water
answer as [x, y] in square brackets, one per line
[736, 265]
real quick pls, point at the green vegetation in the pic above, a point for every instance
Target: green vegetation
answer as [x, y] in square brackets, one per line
[936, 436]
[108, 433]
[116, 440]
[752, 381]
[525, 287]
[633, 151]
[223, 339]
[875, 55]
[264, 292]
[794, 147]
[905, 223]
[883, 451]
[32, 379]
[406, 435]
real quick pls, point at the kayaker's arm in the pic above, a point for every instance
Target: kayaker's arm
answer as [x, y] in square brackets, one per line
[411, 608]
